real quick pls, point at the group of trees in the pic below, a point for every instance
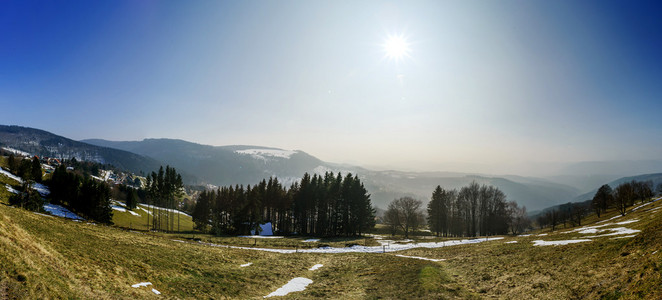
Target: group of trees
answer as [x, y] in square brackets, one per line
[28, 169]
[623, 196]
[473, 210]
[84, 196]
[328, 205]
[27, 198]
[163, 191]
[569, 214]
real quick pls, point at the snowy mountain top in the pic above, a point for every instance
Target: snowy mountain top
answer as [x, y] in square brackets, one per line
[265, 154]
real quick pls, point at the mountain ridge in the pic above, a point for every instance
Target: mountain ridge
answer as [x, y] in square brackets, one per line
[248, 164]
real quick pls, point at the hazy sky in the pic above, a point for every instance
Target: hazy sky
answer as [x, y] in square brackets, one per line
[486, 85]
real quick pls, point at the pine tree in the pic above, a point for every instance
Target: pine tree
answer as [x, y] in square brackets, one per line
[131, 199]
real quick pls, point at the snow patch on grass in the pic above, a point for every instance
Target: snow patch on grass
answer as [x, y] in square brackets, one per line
[41, 189]
[418, 257]
[614, 217]
[627, 222]
[261, 236]
[315, 267]
[616, 231]
[137, 285]
[311, 240]
[295, 285]
[156, 292]
[623, 237]
[366, 249]
[511, 242]
[60, 211]
[10, 175]
[161, 208]
[246, 265]
[123, 209]
[11, 189]
[556, 243]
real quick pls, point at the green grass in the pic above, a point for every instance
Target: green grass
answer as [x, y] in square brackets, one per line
[130, 221]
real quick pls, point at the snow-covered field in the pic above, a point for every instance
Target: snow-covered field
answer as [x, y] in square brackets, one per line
[295, 285]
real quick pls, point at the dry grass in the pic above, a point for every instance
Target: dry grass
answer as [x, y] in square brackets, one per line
[49, 257]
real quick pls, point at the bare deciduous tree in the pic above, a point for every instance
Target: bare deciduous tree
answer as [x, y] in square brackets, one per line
[405, 213]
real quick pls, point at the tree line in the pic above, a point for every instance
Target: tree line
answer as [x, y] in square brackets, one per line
[625, 195]
[329, 205]
[473, 210]
[83, 195]
[163, 190]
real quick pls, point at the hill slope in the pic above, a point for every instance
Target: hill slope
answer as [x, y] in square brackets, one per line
[43, 143]
[655, 178]
[224, 165]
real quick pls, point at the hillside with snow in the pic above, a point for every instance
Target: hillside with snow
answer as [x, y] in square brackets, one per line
[29, 141]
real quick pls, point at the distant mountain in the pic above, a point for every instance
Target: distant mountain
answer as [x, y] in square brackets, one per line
[655, 178]
[587, 175]
[223, 165]
[533, 193]
[230, 165]
[43, 143]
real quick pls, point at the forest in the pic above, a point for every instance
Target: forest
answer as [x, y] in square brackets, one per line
[329, 205]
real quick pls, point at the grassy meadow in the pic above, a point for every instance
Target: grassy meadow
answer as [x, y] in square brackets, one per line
[48, 257]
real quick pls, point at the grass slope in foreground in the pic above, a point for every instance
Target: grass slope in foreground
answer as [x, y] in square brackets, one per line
[42, 256]
[48, 257]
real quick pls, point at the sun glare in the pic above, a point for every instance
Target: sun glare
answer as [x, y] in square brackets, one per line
[396, 47]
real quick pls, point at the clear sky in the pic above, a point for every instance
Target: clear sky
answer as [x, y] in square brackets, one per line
[482, 86]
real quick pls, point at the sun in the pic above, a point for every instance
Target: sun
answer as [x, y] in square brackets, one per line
[396, 47]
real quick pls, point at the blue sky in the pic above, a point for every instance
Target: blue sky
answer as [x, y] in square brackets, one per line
[487, 86]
